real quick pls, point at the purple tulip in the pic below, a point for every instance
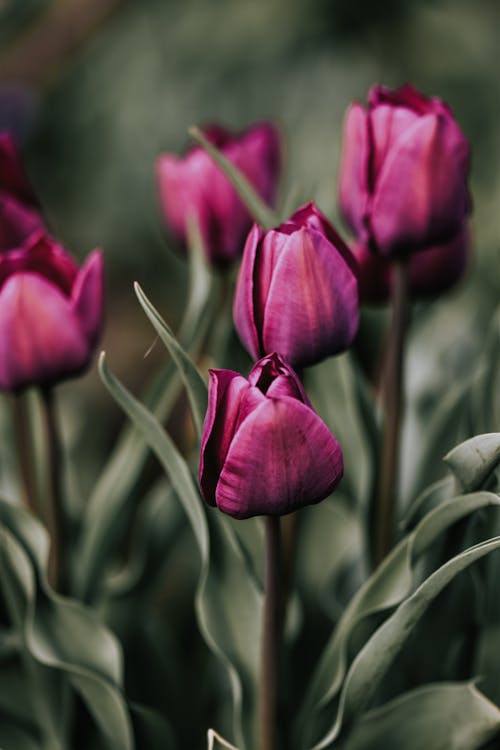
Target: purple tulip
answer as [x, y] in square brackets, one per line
[19, 214]
[195, 186]
[431, 271]
[50, 313]
[264, 450]
[297, 291]
[403, 174]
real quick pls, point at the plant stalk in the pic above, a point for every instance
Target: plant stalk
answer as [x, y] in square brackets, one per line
[268, 708]
[55, 506]
[25, 451]
[392, 403]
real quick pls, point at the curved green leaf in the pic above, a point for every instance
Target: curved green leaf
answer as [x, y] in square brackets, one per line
[60, 633]
[387, 587]
[259, 210]
[228, 600]
[195, 385]
[473, 461]
[455, 716]
[376, 656]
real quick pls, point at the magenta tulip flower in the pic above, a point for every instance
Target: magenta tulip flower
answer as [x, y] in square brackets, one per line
[297, 290]
[264, 450]
[431, 271]
[19, 211]
[403, 173]
[194, 185]
[50, 313]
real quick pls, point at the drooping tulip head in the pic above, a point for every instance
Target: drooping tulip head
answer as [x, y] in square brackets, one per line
[194, 186]
[50, 313]
[403, 173]
[264, 450]
[297, 290]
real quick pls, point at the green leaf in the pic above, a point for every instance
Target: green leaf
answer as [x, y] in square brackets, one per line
[112, 500]
[260, 211]
[473, 461]
[151, 731]
[228, 600]
[455, 716]
[60, 633]
[390, 583]
[195, 385]
[376, 656]
[15, 737]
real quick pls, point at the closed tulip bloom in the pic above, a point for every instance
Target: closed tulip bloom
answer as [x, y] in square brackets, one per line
[431, 271]
[297, 290]
[264, 450]
[403, 173]
[194, 185]
[50, 313]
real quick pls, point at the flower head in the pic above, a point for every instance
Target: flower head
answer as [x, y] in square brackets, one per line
[297, 291]
[403, 174]
[264, 450]
[50, 312]
[194, 186]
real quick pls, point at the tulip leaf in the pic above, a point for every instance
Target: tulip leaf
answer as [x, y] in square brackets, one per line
[378, 653]
[213, 737]
[111, 501]
[15, 737]
[442, 715]
[387, 587]
[60, 633]
[228, 600]
[151, 731]
[195, 385]
[473, 461]
[258, 209]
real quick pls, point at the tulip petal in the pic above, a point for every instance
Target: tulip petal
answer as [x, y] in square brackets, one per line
[420, 197]
[437, 269]
[275, 379]
[87, 296]
[230, 397]
[244, 304]
[17, 222]
[12, 176]
[40, 338]
[354, 169]
[282, 457]
[387, 125]
[312, 305]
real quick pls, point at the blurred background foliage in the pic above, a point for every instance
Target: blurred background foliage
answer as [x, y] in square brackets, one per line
[96, 89]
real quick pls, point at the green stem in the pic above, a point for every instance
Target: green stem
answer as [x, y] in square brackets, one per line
[268, 709]
[392, 399]
[25, 451]
[55, 509]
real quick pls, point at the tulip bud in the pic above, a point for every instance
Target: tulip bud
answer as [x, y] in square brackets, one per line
[431, 271]
[264, 450]
[297, 291]
[403, 172]
[50, 313]
[195, 186]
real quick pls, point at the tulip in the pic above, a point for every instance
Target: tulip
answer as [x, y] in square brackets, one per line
[50, 313]
[403, 172]
[431, 271]
[19, 214]
[194, 186]
[264, 450]
[297, 291]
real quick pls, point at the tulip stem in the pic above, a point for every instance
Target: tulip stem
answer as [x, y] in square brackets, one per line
[268, 709]
[25, 451]
[392, 403]
[54, 509]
